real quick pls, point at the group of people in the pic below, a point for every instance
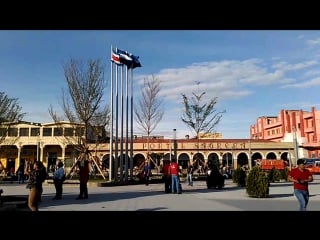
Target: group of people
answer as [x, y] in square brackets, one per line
[37, 174]
[171, 177]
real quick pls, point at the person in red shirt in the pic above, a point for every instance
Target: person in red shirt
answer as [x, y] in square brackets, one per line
[174, 172]
[300, 178]
[166, 176]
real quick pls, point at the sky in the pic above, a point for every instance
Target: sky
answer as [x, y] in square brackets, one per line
[252, 73]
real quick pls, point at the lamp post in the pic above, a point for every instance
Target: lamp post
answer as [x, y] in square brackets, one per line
[295, 143]
[38, 147]
[175, 144]
[249, 162]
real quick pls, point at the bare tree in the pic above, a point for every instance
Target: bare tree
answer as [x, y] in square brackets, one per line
[10, 114]
[149, 111]
[82, 101]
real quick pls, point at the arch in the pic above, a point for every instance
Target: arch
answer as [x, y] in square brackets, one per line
[213, 159]
[156, 159]
[271, 155]
[183, 159]
[284, 156]
[167, 156]
[242, 159]
[138, 160]
[254, 157]
[227, 159]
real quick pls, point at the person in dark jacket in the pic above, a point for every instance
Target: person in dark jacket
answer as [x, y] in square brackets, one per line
[166, 176]
[20, 173]
[84, 170]
[146, 172]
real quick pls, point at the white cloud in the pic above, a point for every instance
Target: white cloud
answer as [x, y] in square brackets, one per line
[313, 42]
[307, 84]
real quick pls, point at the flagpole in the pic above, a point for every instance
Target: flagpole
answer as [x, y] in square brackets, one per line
[127, 106]
[131, 138]
[111, 122]
[121, 57]
[121, 129]
[116, 140]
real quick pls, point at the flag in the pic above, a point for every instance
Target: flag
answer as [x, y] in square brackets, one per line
[115, 56]
[136, 62]
[128, 59]
[125, 57]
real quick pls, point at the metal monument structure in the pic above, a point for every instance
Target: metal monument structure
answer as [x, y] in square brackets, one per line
[121, 61]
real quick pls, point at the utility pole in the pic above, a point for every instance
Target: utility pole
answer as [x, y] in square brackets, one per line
[249, 162]
[175, 144]
[295, 144]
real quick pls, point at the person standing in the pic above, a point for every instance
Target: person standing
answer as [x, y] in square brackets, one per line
[166, 176]
[20, 173]
[34, 184]
[189, 174]
[174, 172]
[58, 181]
[300, 178]
[146, 172]
[84, 170]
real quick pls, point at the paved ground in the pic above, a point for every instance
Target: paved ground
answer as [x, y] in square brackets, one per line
[153, 198]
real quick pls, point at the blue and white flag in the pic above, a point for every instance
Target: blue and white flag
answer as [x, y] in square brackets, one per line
[128, 59]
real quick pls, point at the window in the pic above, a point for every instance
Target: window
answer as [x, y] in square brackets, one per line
[68, 132]
[3, 132]
[13, 132]
[47, 132]
[35, 132]
[24, 132]
[57, 132]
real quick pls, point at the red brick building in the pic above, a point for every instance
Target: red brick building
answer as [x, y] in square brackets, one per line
[297, 126]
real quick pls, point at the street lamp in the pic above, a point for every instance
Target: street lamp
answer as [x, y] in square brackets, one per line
[38, 147]
[295, 143]
[249, 162]
[175, 144]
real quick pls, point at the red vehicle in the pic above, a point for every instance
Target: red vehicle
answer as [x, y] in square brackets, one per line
[313, 165]
[268, 164]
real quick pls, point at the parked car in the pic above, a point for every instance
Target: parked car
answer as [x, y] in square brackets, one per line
[215, 179]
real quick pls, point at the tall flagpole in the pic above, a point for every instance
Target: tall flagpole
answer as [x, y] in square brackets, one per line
[111, 122]
[131, 138]
[121, 129]
[116, 140]
[127, 137]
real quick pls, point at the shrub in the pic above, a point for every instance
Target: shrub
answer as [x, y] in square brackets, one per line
[274, 175]
[239, 176]
[257, 184]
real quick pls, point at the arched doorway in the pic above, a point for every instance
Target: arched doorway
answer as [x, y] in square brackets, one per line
[183, 159]
[213, 159]
[242, 159]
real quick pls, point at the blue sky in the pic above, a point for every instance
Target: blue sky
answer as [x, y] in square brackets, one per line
[252, 72]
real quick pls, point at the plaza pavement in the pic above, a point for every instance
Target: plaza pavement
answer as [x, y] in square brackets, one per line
[153, 198]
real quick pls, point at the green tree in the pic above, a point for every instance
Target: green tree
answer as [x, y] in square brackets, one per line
[257, 184]
[198, 116]
[10, 114]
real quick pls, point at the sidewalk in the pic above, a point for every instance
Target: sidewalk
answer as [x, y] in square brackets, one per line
[153, 198]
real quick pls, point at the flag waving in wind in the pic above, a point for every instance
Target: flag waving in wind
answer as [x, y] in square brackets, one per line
[128, 59]
[115, 56]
